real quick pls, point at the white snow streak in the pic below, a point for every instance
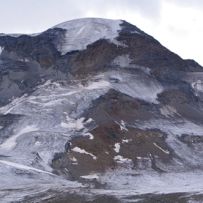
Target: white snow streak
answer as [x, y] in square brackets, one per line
[98, 85]
[163, 150]
[23, 167]
[82, 151]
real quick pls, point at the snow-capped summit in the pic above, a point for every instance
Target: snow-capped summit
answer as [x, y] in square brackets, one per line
[85, 31]
[126, 118]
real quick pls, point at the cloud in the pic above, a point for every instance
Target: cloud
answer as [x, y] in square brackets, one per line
[17, 15]
[145, 8]
[197, 4]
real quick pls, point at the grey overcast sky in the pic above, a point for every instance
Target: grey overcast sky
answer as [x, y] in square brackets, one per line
[177, 24]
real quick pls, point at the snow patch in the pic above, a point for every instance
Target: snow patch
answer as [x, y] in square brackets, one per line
[10, 143]
[25, 60]
[37, 143]
[136, 85]
[122, 126]
[82, 32]
[89, 120]
[142, 158]
[91, 137]
[90, 177]
[82, 151]
[1, 49]
[74, 161]
[77, 124]
[197, 86]
[120, 159]
[117, 147]
[126, 140]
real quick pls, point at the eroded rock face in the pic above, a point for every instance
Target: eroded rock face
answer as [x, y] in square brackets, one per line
[109, 146]
[110, 108]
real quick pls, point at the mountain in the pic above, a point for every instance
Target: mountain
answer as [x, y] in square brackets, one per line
[96, 110]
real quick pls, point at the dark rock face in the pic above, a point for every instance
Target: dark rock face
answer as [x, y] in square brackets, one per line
[109, 115]
[138, 147]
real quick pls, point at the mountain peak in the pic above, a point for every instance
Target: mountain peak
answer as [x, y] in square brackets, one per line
[93, 118]
[81, 32]
[78, 21]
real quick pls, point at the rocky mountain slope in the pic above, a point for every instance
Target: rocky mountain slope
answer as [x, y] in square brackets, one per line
[96, 110]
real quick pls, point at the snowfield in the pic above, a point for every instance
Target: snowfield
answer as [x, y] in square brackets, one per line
[82, 32]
